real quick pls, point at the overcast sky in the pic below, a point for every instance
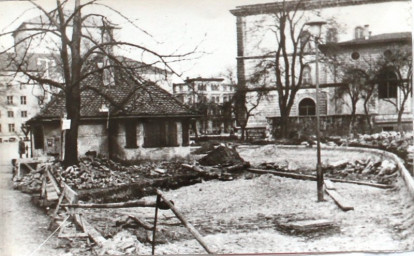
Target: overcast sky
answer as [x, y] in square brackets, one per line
[173, 24]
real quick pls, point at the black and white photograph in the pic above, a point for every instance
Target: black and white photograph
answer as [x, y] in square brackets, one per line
[243, 127]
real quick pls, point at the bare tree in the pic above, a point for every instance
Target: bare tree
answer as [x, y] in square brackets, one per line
[353, 86]
[288, 63]
[81, 37]
[395, 69]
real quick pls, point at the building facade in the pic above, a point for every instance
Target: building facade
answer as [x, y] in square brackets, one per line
[212, 98]
[348, 28]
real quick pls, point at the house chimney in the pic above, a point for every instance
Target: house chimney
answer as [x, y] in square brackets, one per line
[366, 32]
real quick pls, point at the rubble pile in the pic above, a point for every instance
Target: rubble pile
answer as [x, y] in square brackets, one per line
[382, 172]
[222, 155]
[368, 170]
[32, 182]
[98, 172]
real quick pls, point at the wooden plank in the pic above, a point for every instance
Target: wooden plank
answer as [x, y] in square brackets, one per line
[310, 177]
[141, 222]
[329, 185]
[339, 200]
[58, 204]
[74, 235]
[91, 231]
[50, 192]
[70, 194]
[136, 203]
[189, 227]
[54, 182]
[29, 167]
[308, 225]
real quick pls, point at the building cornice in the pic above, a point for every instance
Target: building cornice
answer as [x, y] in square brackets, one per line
[268, 8]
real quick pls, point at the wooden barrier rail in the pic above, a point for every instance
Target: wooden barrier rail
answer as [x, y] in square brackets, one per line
[188, 225]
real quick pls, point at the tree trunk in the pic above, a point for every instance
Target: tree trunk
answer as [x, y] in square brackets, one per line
[73, 98]
[367, 117]
[352, 122]
[284, 123]
[399, 119]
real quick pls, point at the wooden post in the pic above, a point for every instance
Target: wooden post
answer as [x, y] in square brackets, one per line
[190, 227]
[154, 231]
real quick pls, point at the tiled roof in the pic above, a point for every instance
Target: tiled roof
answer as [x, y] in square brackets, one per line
[275, 6]
[125, 99]
[381, 38]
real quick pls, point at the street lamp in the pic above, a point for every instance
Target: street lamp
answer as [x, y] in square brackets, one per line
[315, 30]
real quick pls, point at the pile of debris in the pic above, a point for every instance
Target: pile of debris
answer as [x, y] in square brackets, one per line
[373, 171]
[98, 172]
[222, 155]
[382, 172]
[32, 182]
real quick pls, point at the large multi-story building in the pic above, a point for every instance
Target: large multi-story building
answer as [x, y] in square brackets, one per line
[213, 98]
[20, 98]
[357, 37]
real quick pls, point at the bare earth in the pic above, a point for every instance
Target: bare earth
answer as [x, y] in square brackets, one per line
[239, 217]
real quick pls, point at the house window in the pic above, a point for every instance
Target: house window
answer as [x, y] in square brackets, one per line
[307, 107]
[387, 84]
[359, 33]
[9, 100]
[160, 134]
[306, 76]
[38, 137]
[332, 35]
[10, 114]
[0, 127]
[131, 134]
[24, 113]
[23, 100]
[11, 127]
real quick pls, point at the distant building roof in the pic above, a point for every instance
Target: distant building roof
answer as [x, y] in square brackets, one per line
[264, 8]
[400, 37]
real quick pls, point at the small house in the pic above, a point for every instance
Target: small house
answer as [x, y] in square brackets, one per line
[124, 119]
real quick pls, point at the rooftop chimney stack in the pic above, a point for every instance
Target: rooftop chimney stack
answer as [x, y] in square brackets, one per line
[367, 33]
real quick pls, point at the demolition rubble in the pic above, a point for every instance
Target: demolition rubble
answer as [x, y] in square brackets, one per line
[72, 195]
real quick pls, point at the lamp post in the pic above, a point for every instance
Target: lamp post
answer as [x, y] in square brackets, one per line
[315, 29]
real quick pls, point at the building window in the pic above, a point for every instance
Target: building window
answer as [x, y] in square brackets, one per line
[9, 100]
[0, 127]
[160, 134]
[306, 76]
[131, 134]
[11, 127]
[23, 100]
[305, 41]
[332, 35]
[355, 55]
[387, 84]
[24, 113]
[307, 107]
[10, 114]
[359, 33]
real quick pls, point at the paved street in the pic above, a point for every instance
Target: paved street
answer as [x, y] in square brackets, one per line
[23, 227]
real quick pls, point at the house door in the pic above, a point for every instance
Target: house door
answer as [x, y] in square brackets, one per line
[53, 145]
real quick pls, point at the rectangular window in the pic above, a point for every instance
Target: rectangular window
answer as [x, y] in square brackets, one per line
[38, 137]
[23, 100]
[9, 100]
[24, 113]
[0, 127]
[11, 127]
[131, 134]
[160, 134]
[10, 114]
